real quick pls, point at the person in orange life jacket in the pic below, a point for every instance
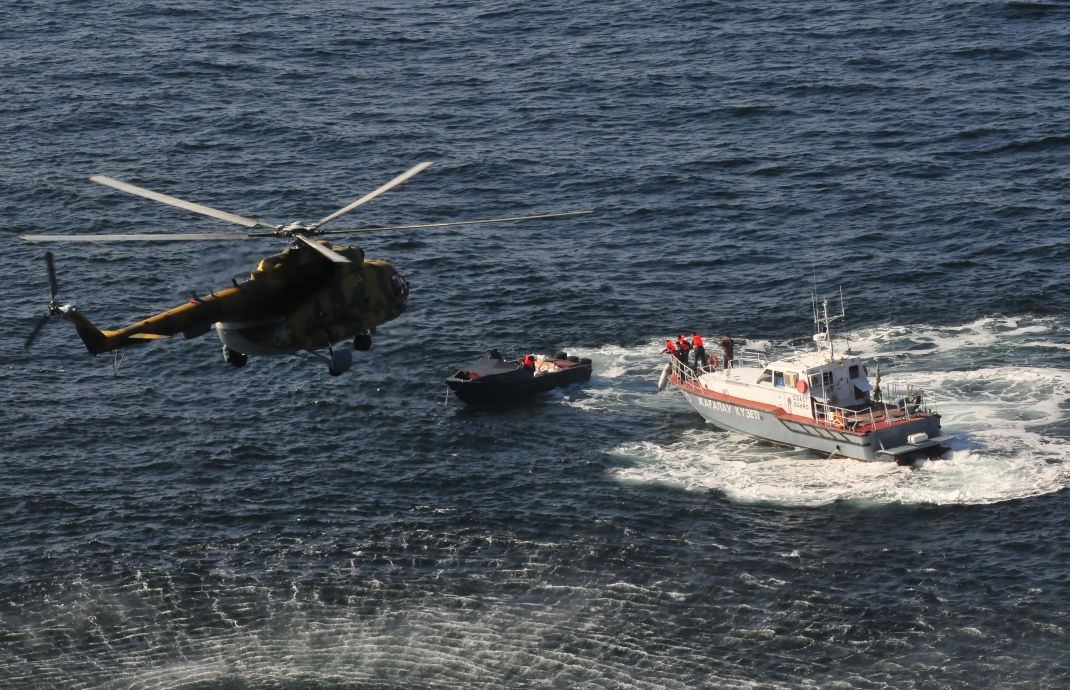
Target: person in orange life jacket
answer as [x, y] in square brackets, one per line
[700, 351]
[684, 347]
[670, 348]
[529, 363]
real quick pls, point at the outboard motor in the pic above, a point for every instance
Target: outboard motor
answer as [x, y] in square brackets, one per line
[341, 361]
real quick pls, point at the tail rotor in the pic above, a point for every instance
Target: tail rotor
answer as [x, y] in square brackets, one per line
[53, 306]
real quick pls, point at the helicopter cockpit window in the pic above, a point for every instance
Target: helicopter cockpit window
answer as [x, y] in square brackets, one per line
[766, 379]
[399, 284]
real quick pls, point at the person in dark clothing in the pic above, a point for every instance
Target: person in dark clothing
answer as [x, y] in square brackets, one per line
[684, 349]
[494, 354]
[700, 350]
[728, 347]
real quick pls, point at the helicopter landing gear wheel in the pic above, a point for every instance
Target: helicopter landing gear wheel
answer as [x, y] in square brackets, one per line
[234, 358]
[362, 342]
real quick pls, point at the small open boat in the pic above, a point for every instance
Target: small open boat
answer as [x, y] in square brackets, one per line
[491, 378]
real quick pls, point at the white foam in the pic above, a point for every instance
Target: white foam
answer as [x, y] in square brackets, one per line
[988, 332]
[756, 473]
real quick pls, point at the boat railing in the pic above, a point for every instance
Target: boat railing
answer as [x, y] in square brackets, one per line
[904, 401]
[755, 357]
[687, 373]
[842, 417]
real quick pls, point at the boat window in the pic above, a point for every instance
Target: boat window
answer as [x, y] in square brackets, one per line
[790, 379]
[778, 379]
[853, 371]
[827, 376]
[766, 379]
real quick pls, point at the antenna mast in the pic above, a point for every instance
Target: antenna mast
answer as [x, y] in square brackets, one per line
[843, 314]
[813, 300]
[891, 339]
[823, 324]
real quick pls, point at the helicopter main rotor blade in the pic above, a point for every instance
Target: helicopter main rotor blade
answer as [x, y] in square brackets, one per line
[36, 329]
[181, 203]
[156, 237]
[53, 287]
[329, 253]
[368, 197]
[462, 222]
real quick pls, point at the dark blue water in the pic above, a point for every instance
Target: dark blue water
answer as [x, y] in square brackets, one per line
[189, 525]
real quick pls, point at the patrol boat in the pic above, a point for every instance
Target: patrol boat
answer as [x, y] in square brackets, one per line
[820, 400]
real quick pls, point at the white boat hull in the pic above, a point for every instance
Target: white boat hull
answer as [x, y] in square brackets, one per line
[776, 426]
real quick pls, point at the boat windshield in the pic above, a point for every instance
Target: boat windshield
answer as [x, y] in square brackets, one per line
[766, 379]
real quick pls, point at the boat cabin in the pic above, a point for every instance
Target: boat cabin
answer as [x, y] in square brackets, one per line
[812, 384]
[801, 384]
[843, 382]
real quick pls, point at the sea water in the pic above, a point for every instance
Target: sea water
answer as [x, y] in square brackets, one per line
[190, 525]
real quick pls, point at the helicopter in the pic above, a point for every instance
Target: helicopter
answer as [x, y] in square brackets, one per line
[311, 296]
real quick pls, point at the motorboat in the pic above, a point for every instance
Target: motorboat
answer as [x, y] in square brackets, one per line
[821, 400]
[491, 379]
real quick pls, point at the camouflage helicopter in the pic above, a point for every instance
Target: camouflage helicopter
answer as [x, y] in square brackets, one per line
[309, 297]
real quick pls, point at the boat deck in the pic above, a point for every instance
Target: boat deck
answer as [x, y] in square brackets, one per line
[862, 419]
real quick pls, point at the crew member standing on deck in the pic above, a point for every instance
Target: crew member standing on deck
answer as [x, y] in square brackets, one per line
[700, 351]
[685, 349]
[670, 349]
[728, 346]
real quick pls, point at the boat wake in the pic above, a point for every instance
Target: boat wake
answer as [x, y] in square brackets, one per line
[1001, 386]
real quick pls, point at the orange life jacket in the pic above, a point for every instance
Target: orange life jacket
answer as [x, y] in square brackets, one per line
[670, 347]
[696, 340]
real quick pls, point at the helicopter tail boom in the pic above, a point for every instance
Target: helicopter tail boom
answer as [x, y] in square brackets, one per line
[95, 340]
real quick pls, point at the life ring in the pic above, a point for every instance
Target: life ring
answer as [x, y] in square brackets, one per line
[837, 419]
[801, 386]
[712, 358]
